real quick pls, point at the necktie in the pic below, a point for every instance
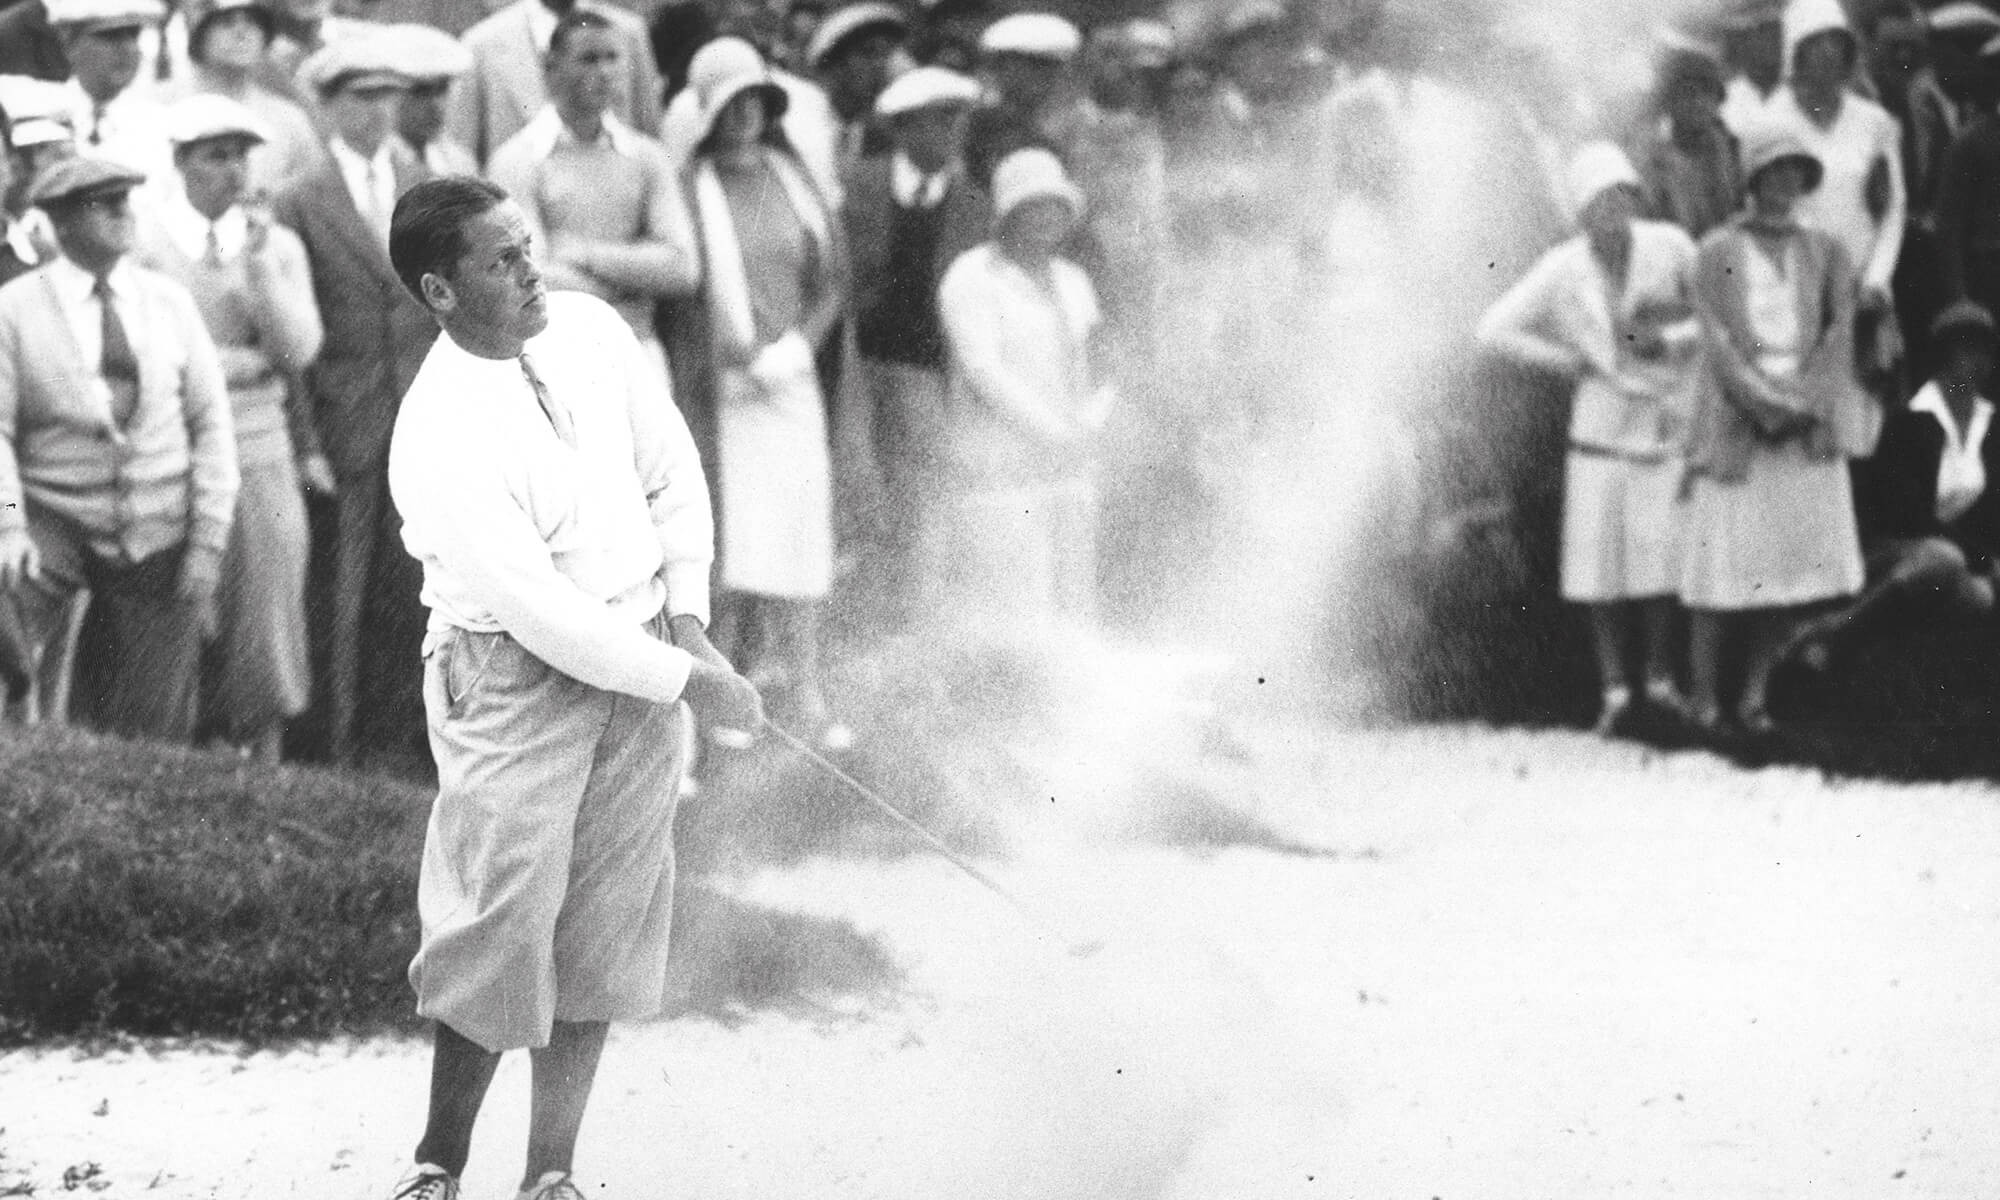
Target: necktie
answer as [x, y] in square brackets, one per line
[557, 415]
[96, 124]
[117, 362]
[378, 218]
[212, 254]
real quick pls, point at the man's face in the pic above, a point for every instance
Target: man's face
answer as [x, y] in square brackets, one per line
[234, 38]
[859, 72]
[97, 230]
[495, 289]
[581, 76]
[420, 115]
[1023, 79]
[215, 173]
[931, 136]
[365, 115]
[104, 60]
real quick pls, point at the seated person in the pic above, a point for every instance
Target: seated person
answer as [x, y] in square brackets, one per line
[1928, 501]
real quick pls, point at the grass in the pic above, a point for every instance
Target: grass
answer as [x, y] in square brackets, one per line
[149, 891]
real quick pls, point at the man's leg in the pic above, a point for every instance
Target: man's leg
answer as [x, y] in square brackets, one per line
[563, 1073]
[461, 1071]
[35, 613]
[153, 646]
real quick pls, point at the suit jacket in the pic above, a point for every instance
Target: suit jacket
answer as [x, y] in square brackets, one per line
[1895, 491]
[376, 332]
[870, 213]
[505, 88]
[29, 45]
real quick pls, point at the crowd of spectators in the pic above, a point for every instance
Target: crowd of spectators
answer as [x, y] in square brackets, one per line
[1778, 322]
[900, 267]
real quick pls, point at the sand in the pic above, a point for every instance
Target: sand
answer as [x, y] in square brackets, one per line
[1525, 965]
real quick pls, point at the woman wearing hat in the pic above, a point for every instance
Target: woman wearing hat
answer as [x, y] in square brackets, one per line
[774, 285]
[1929, 498]
[1612, 309]
[1017, 548]
[229, 43]
[1770, 525]
[252, 285]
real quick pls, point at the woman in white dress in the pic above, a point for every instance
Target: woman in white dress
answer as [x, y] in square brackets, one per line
[1771, 526]
[773, 292]
[1613, 310]
[1017, 548]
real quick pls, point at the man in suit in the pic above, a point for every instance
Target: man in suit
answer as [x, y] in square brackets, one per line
[909, 214]
[113, 118]
[376, 337]
[29, 44]
[117, 460]
[506, 86]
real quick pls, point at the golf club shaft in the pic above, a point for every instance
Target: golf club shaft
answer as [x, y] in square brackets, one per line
[909, 824]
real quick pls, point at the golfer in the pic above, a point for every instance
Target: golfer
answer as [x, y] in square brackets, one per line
[551, 491]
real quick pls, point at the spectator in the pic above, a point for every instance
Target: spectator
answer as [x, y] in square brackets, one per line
[229, 44]
[1753, 50]
[1018, 547]
[802, 18]
[1025, 59]
[29, 43]
[376, 337]
[773, 289]
[1909, 88]
[508, 83]
[117, 461]
[111, 118]
[1613, 310]
[600, 198]
[1929, 498]
[1860, 201]
[909, 214]
[434, 62]
[1689, 161]
[253, 288]
[853, 55]
[38, 137]
[1119, 160]
[1968, 220]
[1770, 520]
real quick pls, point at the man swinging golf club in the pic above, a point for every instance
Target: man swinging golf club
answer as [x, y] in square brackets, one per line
[551, 491]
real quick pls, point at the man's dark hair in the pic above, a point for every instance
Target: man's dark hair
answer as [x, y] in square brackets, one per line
[427, 231]
[570, 24]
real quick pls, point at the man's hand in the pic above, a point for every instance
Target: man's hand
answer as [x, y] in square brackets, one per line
[20, 562]
[200, 574]
[316, 476]
[721, 697]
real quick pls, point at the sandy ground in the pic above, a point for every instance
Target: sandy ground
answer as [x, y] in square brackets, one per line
[1534, 965]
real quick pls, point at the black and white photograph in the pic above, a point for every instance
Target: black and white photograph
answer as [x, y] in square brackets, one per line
[999, 599]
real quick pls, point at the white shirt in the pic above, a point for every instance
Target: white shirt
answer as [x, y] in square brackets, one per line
[370, 181]
[83, 313]
[911, 187]
[189, 230]
[570, 548]
[1848, 150]
[1962, 467]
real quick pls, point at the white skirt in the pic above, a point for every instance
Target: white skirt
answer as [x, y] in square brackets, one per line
[1784, 535]
[775, 484]
[1621, 529]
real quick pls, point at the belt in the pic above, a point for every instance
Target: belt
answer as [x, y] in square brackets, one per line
[1587, 450]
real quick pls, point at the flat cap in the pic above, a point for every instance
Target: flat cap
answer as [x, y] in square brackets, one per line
[1964, 318]
[1255, 17]
[1962, 18]
[81, 175]
[206, 115]
[1143, 42]
[850, 21]
[367, 60]
[425, 53]
[926, 87]
[1032, 35]
[106, 14]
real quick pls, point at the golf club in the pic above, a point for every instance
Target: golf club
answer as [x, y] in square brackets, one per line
[931, 841]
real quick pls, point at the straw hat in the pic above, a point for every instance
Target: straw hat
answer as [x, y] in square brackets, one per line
[205, 115]
[1964, 319]
[106, 14]
[1032, 174]
[200, 12]
[1032, 35]
[38, 109]
[723, 70]
[366, 61]
[425, 53]
[868, 16]
[1597, 168]
[1768, 143]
